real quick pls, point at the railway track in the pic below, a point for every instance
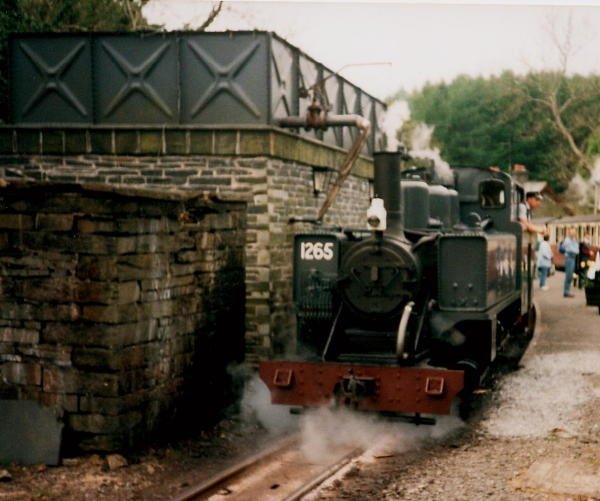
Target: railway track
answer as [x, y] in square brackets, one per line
[279, 473]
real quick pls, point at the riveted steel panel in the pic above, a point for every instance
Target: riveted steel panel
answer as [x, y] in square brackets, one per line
[136, 79]
[224, 78]
[309, 74]
[350, 105]
[395, 389]
[210, 78]
[51, 79]
[284, 80]
[366, 110]
[332, 86]
[484, 275]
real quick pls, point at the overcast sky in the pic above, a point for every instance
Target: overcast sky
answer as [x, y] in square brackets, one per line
[421, 42]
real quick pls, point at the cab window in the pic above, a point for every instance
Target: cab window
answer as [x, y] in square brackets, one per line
[491, 194]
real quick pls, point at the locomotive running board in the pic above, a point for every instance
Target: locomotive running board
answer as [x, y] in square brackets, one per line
[362, 387]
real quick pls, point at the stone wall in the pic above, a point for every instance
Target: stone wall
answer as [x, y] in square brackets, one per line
[269, 168]
[119, 307]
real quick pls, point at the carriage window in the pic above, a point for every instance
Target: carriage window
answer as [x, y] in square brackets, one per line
[491, 194]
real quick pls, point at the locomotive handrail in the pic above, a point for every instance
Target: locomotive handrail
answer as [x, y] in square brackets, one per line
[331, 333]
[401, 337]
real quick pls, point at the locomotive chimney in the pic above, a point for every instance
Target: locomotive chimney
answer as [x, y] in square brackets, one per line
[386, 185]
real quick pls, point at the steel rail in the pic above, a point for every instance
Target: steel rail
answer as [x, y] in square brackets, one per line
[311, 485]
[210, 484]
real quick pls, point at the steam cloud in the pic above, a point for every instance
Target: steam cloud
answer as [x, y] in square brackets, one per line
[256, 403]
[421, 148]
[398, 112]
[582, 191]
[327, 429]
[420, 141]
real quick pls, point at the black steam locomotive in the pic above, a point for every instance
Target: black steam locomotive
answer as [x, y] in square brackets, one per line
[407, 314]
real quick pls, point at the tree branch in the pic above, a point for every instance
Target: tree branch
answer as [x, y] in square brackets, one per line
[211, 17]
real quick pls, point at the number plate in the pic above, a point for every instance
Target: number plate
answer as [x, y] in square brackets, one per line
[316, 251]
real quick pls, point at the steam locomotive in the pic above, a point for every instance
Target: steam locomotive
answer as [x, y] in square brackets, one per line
[406, 315]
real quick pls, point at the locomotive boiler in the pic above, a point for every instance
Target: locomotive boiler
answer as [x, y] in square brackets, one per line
[407, 313]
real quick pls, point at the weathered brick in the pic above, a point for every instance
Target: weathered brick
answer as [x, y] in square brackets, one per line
[153, 225]
[150, 142]
[111, 406]
[201, 142]
[21, 373]
[127, 358]
[143, 266]
[255, 143]
[99, 423]
[167, 282]
[54, 222]
[106, 292]
[98, 268]
[52, 142]
[111, 314]
[85, 225]
[126, 142]
[75, 142]
[16, 222]
[6, 141]
[102, 335]
[58, 355]
[176, 142]
[97, 244]
[28, 141]
[158, 309]
[171, 293]
[16, 335]
[68, 380]
[101, 141]
[62, 401]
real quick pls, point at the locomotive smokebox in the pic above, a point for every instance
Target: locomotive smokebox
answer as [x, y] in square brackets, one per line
[386, 185]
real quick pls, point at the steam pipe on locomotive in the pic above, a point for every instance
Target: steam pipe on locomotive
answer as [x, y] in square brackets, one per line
[396, 318]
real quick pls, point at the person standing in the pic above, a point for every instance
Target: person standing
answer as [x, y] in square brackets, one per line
[544, 261]
[571, 247]
[524, 212]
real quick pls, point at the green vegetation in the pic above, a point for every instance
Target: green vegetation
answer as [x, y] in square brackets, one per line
[546, 121]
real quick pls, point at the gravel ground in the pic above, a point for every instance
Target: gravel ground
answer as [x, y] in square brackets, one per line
[544, 414]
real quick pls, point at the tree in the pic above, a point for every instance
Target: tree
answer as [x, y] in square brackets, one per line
[570, 104]
[212, 15]
[478, 121]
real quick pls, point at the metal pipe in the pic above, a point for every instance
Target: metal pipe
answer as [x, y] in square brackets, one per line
[387, 186]
[317, 120]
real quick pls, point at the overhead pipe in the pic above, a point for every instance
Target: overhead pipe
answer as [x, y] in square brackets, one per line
[316, 119]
